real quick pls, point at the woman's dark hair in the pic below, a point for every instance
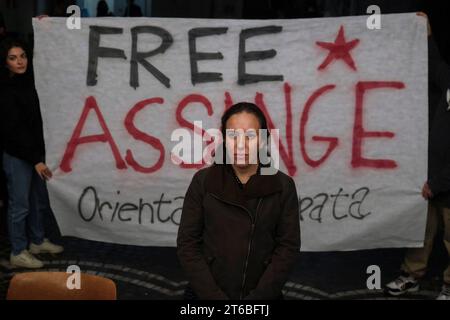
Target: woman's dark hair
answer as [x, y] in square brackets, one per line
[240, 107]
[5, 46]
[237, 108]
[9, 43]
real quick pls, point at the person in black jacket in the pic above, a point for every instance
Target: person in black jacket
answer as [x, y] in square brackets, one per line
[437, 188]
[239, 233]
[23, 158]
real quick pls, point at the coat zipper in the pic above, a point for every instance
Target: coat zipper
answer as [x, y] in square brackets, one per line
[249, 249]
[251, 235]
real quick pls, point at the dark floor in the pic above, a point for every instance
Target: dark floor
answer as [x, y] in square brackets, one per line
[154, 273]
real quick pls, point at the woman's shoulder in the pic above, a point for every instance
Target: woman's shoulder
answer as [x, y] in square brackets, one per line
[201, 174]
[10, 87]
[283, 176]
[200, 178]
[286, 181]
[7, 95]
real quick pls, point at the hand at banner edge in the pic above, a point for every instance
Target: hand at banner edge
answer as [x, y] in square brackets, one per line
[426, 191]
[423, 14]
[44, 172]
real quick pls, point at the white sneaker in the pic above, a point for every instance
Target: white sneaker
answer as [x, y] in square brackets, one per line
[403, 284]
[25, 260]
[45, 247]
[445, 293]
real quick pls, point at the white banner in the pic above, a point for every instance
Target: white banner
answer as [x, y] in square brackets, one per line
[350, 104]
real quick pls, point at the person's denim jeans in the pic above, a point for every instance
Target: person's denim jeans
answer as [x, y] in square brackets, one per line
[27, 203]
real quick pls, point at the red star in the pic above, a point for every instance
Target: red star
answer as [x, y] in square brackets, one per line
[340, 49]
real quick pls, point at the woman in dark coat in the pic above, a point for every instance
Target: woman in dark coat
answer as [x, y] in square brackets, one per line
[23, 158]
[239, 231]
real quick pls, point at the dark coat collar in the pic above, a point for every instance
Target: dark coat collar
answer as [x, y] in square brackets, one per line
[221, 182]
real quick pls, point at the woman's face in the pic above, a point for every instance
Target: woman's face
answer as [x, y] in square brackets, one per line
[242, 139]
[17, 60]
